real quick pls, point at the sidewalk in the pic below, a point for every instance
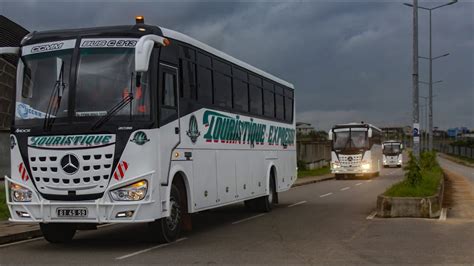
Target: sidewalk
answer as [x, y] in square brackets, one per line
[456, 160]
[11, 232]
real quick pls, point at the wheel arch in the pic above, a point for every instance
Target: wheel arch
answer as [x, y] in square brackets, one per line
[179, 178]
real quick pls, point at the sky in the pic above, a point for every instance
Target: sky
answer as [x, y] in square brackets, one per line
[350, 61]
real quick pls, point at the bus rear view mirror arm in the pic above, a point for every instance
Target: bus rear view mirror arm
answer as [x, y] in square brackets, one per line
[144, 48]
[10, 50]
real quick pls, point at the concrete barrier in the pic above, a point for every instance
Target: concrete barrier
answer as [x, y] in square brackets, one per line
[417, 207]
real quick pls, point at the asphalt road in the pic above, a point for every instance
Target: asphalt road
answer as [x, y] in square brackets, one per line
[328, 222]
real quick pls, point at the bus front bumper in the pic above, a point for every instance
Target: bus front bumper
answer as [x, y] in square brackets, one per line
[102, 210]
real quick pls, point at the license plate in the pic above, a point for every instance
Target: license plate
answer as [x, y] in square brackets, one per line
[71, 212]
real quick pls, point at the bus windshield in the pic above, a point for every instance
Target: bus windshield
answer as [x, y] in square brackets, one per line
[346, 140]
[105, 76]
[41, 75]
[391, 148]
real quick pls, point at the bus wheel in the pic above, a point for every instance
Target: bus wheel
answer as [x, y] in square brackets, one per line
[167, 229]
[58, 232]
[265, 203]
[339, 176]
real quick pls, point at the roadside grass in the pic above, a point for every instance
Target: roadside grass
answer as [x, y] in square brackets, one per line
[463, 159]
[4, 214]
[315, 172]
[427, 187]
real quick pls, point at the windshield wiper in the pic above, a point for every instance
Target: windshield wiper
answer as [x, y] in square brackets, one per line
[116, 108]
[55, 100]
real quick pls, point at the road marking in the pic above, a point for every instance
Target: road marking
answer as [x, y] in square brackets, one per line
[443, 215]
[325, 195]
[296, 204]
[368, 181]
[372, 215]
[21, 242]
[344, 188]
[249, 218]
[358, 184]
[148, 249]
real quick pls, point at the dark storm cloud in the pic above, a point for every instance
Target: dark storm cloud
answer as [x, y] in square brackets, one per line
[349, 60]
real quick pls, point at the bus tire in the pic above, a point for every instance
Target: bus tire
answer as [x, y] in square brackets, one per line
[167, 229]
[338, 176]
[265, 203]
[57, 233]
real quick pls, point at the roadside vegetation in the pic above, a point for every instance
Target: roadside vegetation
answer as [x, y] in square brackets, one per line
[3, 204]
[315, 172]
[422, 177]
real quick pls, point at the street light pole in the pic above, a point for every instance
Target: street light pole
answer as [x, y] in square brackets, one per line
[416, 108]
[415, 73]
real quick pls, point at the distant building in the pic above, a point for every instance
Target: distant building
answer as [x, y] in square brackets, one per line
[304, 128]
[457, 131]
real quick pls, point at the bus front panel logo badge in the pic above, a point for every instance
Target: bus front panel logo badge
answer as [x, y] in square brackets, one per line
[193, 132]
[70, 164]
[140, 138]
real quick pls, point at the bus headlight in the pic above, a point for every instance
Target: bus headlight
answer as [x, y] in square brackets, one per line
[336, 165]
[20, 194]
[365, 166]
[134, 192]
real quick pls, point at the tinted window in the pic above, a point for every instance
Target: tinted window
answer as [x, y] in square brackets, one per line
[279, 107]
[268, 103]
[204, 85]
[239, 73]
[204, 60]
[188, 53]
[268, 86]
[188, 79]
[169, 86]
[241, 96]
[221, 67]
[222, 90]
[255, 100]
[255, 80]
[170, 54]
[288, 109]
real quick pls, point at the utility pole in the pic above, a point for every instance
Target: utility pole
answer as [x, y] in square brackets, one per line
[416, 107]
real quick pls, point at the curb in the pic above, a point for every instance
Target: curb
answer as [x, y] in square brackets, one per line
[313, 181]
[20, 236]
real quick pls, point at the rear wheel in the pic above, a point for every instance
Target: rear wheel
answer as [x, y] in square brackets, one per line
[58, 232]
[167, 229]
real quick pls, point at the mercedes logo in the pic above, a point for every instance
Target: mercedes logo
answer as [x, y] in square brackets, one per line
[349, 159]
[70, 164]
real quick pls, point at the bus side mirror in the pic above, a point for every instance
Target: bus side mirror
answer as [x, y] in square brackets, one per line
[144, 48]
[369, 133]
[26, 91]
[330, 135]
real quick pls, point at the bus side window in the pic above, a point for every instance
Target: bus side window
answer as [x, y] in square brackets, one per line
[168, 110]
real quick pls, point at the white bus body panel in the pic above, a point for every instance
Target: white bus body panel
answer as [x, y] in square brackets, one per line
[218, 173]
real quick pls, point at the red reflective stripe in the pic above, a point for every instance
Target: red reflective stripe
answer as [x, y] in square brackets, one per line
[120, 170]
[20, 167]
[116, 176]
[125, 164]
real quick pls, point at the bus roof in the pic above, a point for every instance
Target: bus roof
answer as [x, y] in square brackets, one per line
[186, 39]
[356, 125]
[132, 31]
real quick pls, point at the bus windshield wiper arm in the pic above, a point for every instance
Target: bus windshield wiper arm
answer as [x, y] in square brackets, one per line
[119, 106]
[54, 104]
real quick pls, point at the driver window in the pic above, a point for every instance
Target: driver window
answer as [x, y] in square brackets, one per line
[168, 110]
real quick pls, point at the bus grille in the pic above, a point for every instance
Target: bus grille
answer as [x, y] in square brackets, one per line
[350, 160]
[59, 172]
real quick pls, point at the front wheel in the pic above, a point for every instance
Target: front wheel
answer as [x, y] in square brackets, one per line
[167, 229]
[58, 232]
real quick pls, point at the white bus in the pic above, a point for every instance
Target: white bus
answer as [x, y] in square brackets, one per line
[131, 124]
[392, 153]
[356, 150]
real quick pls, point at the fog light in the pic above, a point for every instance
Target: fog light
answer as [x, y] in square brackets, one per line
[23, 214]
[366, 166]
[125, 214]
